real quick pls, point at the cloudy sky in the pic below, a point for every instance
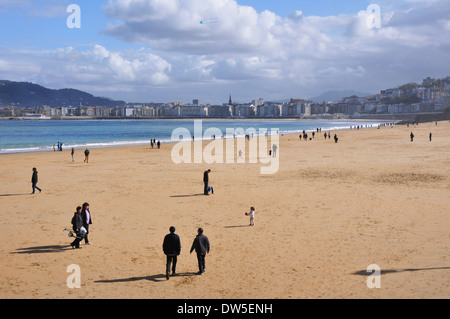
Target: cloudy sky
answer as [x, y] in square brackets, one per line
[180, 50]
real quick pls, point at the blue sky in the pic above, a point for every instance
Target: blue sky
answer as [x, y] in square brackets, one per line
[151, 50]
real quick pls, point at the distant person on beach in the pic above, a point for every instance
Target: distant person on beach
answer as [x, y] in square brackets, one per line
[87, 220]
[77, 223]
[274, 150]
[151, 143]
[325, 135]
[72, 153]
[210, 189]
[201, 246]
[431, 135]
[158, 144]
[205, 181]
[412, 137]
[329, 135]
[34, 180]
[171, 248]
[86, 155]
[336, 138]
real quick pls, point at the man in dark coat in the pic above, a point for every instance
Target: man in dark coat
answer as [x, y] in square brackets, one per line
[201, 246]
[171, 248]
[205, 181]
[77, 223]
[34, 180]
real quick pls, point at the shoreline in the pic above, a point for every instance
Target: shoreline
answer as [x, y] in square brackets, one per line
[98, 145]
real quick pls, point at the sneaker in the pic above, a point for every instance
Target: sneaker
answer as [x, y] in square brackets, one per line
[199, 273]
[167, 276]
[88, 243]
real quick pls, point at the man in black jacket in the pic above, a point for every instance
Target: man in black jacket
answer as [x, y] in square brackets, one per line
[201, 246]
[77, 223]
[171, 248]
[205, 181]
[34, 180]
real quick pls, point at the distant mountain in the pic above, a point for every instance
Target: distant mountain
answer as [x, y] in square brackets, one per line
[27, 94]
[333, 96]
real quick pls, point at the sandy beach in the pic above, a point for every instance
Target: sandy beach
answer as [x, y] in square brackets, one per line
[329, 212]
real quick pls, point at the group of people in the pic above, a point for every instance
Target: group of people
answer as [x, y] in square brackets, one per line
[172, 248]
[57, 146]
[81, 220]
[411, 136]
[153, 143]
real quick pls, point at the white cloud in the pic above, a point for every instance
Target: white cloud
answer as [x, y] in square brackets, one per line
[249, 54]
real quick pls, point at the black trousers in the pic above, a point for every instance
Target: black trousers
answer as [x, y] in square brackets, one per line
[201, 262]
[77, 241]
[171, 259]
[86, 240]
[205, 188]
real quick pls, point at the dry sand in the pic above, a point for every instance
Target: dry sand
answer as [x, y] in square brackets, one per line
[330, 212]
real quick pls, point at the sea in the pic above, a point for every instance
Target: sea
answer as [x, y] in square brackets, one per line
[23, 136]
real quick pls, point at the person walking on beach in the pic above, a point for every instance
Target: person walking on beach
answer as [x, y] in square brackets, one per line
[87, 220]
[171, 248]
[205, 181]
[34, 180]
[77, 223]
[86, 155]
[336, 138]
[72, 153]
[431, 135]
[158, 144]
[412, 137]
[274, 150]
[201, 247]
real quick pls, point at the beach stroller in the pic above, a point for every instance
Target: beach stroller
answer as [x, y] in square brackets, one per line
[81, 235]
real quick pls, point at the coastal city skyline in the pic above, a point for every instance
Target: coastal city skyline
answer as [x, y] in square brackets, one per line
[404, 102]
[180, 51]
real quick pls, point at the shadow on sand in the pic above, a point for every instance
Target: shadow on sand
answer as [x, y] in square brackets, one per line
[154, 278]
[42, 249]
[390, 271]
[236, 226]
[193, 195]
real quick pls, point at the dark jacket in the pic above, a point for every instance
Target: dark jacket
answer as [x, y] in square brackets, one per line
[206, 177]
[34, 178]
[200, 244]
[83, 215]
[172, 244]
[77, 222]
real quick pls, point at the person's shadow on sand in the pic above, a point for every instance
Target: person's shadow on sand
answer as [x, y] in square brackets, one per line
[154, 278]
[193, 195]
[42, 249]
[391, 271]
